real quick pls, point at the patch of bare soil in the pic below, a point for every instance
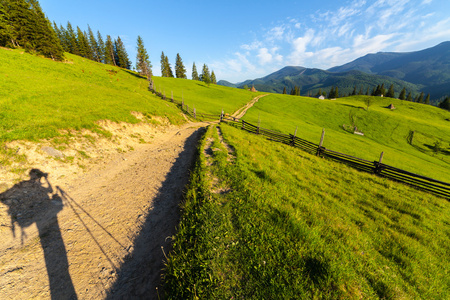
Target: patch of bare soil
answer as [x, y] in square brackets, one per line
[96, 231]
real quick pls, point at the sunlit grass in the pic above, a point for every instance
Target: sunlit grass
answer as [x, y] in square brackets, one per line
[39, 97]
[294, 226]
[205, 98]
[384, 130]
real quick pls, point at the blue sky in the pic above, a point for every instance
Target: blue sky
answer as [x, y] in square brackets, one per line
[242, 40]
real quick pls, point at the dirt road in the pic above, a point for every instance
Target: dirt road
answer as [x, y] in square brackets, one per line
[101, 235]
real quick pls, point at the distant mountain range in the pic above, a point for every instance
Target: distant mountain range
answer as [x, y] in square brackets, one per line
[425, 71]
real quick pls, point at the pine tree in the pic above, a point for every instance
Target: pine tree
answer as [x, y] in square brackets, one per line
[72, 40]
[109, 51]
[445, 104]
[194, 72]
[95, 49]
[45, 39]
[284, 91]
[205, 76]
[213, 78]
[5, 27]
[331, 94]
[164, 71]
[83, 44]
[101, 47]
[180, 70]
[409, 98]
[63, 39]
[336, 92]
[420, 98]
[382, 90]
[354, 91]
[143, 65]
[402, 94]
[121, 54]
[427, 99]
[391, 92]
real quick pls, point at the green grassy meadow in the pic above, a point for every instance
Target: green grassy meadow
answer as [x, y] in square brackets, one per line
[210, 99]
[289, 225]
[384, 130]
[39, 97]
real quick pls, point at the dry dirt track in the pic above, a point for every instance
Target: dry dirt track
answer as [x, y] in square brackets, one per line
[102, 235]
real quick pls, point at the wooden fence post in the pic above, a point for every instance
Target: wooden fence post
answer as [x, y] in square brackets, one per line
[378, 164]
[243, 122]
[172, 96]
[187, 109]
[293, 137]
[164, 95]
[259, 123]
[221, 116]
[319, 150]
[195, 114]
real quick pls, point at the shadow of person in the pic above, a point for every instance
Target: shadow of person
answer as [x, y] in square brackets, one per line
[34, 201]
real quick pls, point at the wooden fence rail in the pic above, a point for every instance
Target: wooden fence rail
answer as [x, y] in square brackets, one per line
[430, 185]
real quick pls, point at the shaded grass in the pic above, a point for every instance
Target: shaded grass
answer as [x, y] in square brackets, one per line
[384, 130]
[295, 226]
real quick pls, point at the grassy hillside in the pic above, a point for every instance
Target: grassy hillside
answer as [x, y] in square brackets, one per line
[206, 99]
[38, 96]
[384, 130]
[279, 223]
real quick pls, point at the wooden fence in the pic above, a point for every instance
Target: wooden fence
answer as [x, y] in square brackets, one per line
[430, 185]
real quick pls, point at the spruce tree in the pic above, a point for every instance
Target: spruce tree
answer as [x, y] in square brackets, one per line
[143, 65]
[382, 90]
[194, 72]
[71, 40]
[206, 76]
[109, 51]
[391, 92]
[213, 78]
[101, 47]
[180, 70]
[427, 99]
[331, 94]
[354, 91]
[121, 55]
[95, 49]
[83, 44]
[445, 104]
[402, 94]
[164, 71]
[420, 98]
[284, 91]
[45, 40]
[409, 97]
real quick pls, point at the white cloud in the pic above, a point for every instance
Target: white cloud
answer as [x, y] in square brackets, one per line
[427, 1]
[264, 56]
[253, 46]
[363, 45]
[276, 33]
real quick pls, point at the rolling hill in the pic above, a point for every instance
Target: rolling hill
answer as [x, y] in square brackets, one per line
[425, 71]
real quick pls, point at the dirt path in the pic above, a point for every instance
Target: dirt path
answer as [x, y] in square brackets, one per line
[102, 234]
[241, 112]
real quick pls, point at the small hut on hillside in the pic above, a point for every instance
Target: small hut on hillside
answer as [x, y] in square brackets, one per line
[253, 89]
[391, 106]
